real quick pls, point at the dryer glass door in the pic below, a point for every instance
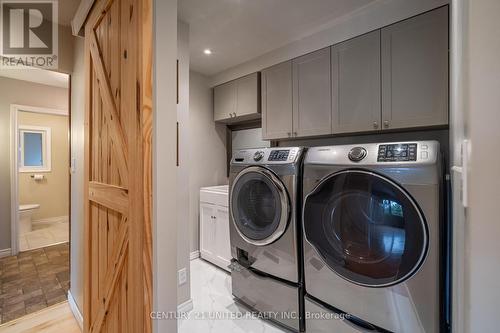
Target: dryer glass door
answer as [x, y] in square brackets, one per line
[259, 206]
[366, 228]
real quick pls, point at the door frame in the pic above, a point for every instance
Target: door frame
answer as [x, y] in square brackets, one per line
[14, 163]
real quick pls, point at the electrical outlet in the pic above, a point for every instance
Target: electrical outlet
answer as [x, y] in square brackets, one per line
[182, 276]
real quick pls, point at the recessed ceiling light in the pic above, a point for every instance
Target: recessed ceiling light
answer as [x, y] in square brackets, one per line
[207, 51]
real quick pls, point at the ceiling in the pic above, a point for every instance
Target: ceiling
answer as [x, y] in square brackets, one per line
[239, 30]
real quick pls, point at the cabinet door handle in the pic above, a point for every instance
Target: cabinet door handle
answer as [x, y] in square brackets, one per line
[386, 123]
[234, 114]
[288, 133]
[375, 124]
[294, 133]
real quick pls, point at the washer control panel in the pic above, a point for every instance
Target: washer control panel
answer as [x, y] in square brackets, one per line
[254, 156]
[397, 152]
[278, 155]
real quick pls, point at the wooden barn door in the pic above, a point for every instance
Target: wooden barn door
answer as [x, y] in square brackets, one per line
[118, 167]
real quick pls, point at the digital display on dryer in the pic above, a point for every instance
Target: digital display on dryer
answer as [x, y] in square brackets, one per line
[279, 155]
[397, 152]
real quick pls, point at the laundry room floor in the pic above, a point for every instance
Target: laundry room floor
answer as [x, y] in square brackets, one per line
[214, 309]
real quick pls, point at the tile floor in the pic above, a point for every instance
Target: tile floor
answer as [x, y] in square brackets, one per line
[33, 280]
[211, 294]
[44, 235]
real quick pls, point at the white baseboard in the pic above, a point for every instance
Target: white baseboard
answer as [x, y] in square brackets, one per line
[186, 306]
[76, 312]
[5, 253]
[49, 220]
[194, 255]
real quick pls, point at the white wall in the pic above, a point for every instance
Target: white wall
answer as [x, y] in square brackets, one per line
[66, 51]
[164, 160]
[373, 16]
[483, 220]
[183, 293]
[25, 93]
[207, 157]
[77, 175]
[249, 138]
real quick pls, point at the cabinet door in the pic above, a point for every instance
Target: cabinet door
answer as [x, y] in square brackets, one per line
[248, 95]
[207, 231]
[225, 97]
[312, 102]
[222, 236]
[277, 101]
[415, 71]
[356, 84]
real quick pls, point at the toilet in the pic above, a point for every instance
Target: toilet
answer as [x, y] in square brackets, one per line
[25, 214]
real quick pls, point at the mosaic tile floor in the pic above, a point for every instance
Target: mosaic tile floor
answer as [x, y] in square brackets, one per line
[33, 280]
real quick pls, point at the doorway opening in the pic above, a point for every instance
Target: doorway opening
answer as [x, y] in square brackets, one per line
[35, 269]
[40, 197]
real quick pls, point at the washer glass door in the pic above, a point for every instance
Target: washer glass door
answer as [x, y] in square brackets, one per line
[259, 205]
[366, 228]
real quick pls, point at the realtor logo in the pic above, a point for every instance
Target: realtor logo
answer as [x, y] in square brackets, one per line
[29, 34]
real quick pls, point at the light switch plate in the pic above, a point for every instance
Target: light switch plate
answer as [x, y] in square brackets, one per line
[182, 276]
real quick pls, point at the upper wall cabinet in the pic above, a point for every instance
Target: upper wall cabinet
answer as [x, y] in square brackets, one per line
[296, 97]
[237, 100]
[356, 84]
[415, 71]
[277, 101]
[225, 97]
[391, 78]
[312, 101]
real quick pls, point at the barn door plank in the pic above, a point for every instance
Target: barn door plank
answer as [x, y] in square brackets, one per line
[118, 170]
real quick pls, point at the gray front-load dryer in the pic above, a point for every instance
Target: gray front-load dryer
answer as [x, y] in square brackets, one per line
[264, 231]
[371, 220]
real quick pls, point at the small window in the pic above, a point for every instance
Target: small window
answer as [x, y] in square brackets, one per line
[34, 149]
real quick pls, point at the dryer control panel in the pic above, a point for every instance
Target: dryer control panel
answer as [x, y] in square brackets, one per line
[279, 155]
[397, 152]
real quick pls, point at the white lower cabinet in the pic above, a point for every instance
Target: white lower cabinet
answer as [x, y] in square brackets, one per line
[214, 232]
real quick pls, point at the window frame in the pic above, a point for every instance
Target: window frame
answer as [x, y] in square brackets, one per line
[46, 148]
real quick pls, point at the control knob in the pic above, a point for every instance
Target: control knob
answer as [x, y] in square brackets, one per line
[357, 154]
[258, 156]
